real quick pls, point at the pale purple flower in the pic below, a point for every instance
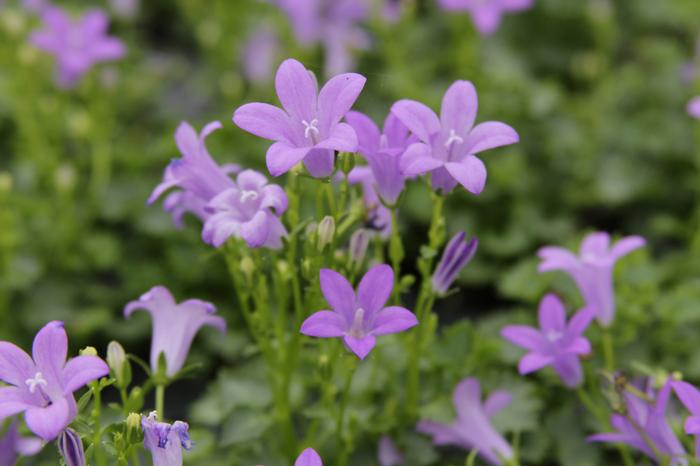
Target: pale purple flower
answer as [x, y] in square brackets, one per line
[379, 215]
[358, 318]
[35, 6]
[76, 45]
[125, 9]
[249, 210]
[486, 14]
[259, 55]
[388, 453]
[13, 445]
[308, 457]
[457, 254]
[392, 10]
[555, 343]
[42, 385]
[71, 448]
[649, 418]
[690, 397]
[472, 430]
[592, 270]
[174, 325]
[309, 127]
[165, 441]
[693, 107]
[450, 142]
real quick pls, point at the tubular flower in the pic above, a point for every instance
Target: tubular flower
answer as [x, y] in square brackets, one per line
[457, 254]
[165, 441]
[71, 448]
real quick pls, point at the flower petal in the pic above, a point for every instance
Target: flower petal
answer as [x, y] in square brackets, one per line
[418, 159]
[324, 324]
[297, 90]
[275, 198]
[48, 422]
[595, 244]
[626, 245]
[467, 397]
[375, 288]
[569, 369]
[265, 121]
[471, 173]
[49, 352]
[393, 319]
[319, 162]
[360, 346]
[15, 365]
[689, 396]
[251, 180]
[417, 117]
[308, 457]
[281, 157]
[581, 320]
[532, 362]
[489, 135]
[337, 97]
[579, 345]
[338, 293]
[367, 132]
[459, 107]
[187, 140]
[524, 336]
[81, 370]
[255, 231]
[556, 258]
[552, 315]
[496, 402]
[14, 400]
[342, 138]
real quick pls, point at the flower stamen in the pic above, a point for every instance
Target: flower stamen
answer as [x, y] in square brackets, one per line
[310, 127]
[358, 323]
[453, 138]
[38, 380]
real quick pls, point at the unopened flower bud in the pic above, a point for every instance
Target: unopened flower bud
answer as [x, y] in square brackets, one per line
[247, 267]
[359, 241]
[283, 269]
[118, 363]
[71, 448]
[133, 421]
[326, 231]
[88, 351]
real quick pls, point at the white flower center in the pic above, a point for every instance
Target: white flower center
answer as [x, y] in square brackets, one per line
[248, 196]
[310, 128]
[358, 324]
[38, 380]
[453, 138]
[554, 336]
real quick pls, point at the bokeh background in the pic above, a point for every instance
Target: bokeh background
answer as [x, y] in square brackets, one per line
[597, 90]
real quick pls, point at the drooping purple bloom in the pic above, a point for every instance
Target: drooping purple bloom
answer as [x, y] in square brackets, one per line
[472, 430]
[358, 318]
[388, 453]
[379, 214]
[309, 127]
[77, 46]
[457, 254]
[165, 441]
[13, 445]
[308, 457]
[71, 448]
[450, 142]
[259, 55]
[42, 385]
[648, 418]
[486, 14]
[555, 343]
[693, 107]
[690, 397]
[592, 270]
[174, 325]
[249, 210]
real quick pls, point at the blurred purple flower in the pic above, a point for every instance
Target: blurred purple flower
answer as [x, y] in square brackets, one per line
[379, 214]
[646, 422]
[450, 142]
[13, 445]
[71, 448]
[42, 386]
[165, 441]
[486, 14]
[456, 255]
[174, 325]
[308, 457]
[35, 6]
[555, 343]
[388, 453]
[125, 9]
[309, 127]
[693, 107]
[592, 269]
[77, 46]
[358, 318]
[259, 55]
[392, 10]
[690, 397]
[249, 210]
[472, 430]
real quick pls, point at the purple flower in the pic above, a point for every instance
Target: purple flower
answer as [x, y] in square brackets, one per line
[196, 174]
[379, 214]
[457, 254]
[71, 448]
[648, 418]
[249, 210]
[592, 269]
[165, 441]
[358, 318]
[77, 46]
[486, 14]
[258, 55]
[125, 9]
[12, 445]
[690, 397]
[309, 127]
[35, 6]
[382, 151]
[174, 325]
[472, 430]
[42, 385]
[308, 457]
[555, 343]
[693, 107]
[388, 454]
[450, 142]
[392, 10]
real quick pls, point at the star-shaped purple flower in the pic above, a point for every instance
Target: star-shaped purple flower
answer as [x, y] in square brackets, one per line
[174, 325]
[165, 441]
[473, 430]
[358, 318]
[13, 445]
[486, 14]
[450, 142]
[42, 385]
[690, 397]
[592, 269]
[556, 343]
[77, 46]
[309, 127]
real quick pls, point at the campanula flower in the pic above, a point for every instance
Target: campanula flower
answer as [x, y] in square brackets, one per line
[259, 54]
[448, 143]
[693, 107]
[486, 14]
[76, 45]
[473, 430]
[379, 215]
[592, 270]
[388, 453]
[165, 441]
[174, 325]
[42, 385]
[358, 318]
[690, 397]
[556, 343]
[250, 210]
[457, 254]
[71, 448]
[309, 127]
[646, 422]
[13, 445]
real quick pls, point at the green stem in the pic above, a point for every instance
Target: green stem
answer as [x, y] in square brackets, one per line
[160, 401]
[396, 254]
[608, 351]
[96, 418]
[343, 437]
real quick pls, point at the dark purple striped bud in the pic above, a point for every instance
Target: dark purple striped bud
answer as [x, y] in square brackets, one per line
[71, 448]
[359, 241]
[457, 254]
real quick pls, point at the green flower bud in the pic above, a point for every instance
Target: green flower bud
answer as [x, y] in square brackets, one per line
[119, 364]
[326, 231]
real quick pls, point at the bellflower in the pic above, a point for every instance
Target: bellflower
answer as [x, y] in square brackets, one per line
[42, 385]
[556, 343]
[690, 397]
[174, 325]
[388, 453]
[309, 128]
[693, 107]
[379, 214]
[258, 55]
[457, 254]
[486, 14]
[448, 143]
[71, 448]
[13, 445]
[76, 46]
[592, 270]
[472, 430]
[358, 318]
[165, 441]
[249, 210]
[648, 418]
